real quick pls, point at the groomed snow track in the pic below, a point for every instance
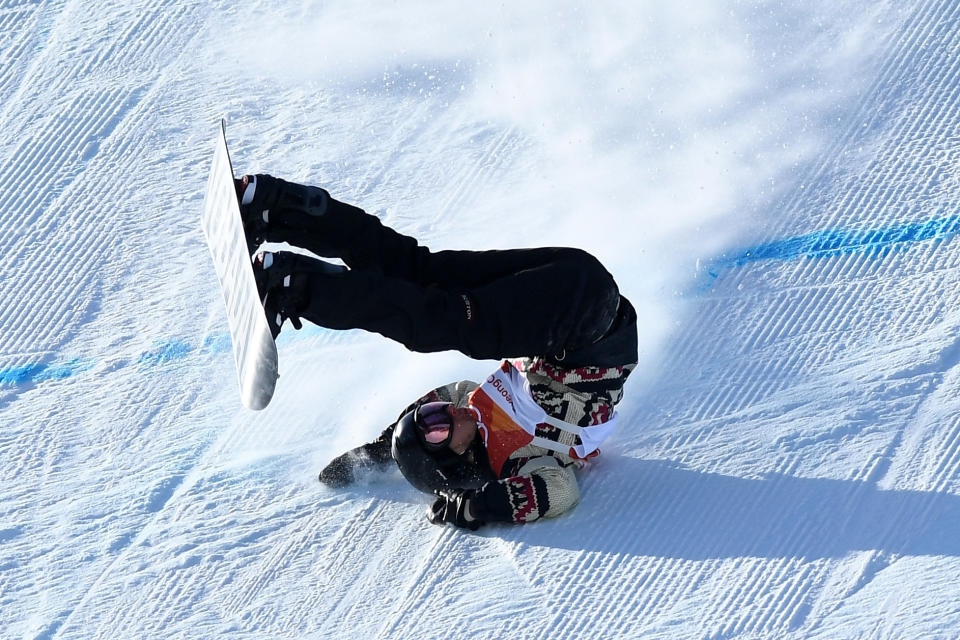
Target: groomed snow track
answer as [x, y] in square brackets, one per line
[789, 464]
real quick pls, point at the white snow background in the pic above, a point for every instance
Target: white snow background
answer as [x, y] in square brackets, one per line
[774, 184]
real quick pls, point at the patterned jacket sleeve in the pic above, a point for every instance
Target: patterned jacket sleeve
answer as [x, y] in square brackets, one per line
[540, 487]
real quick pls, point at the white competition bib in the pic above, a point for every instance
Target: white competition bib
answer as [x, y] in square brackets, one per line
[509, 417]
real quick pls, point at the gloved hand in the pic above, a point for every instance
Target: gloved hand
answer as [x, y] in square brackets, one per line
[453, 506]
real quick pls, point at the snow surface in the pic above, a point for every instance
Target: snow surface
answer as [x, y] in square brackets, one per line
[773, 183]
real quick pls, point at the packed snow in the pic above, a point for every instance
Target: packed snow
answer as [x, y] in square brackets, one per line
[774, 185]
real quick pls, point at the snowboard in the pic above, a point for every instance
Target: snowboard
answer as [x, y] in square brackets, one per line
[254, 349]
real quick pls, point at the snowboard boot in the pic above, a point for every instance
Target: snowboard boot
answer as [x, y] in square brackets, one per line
[283, 282]
[269, 204]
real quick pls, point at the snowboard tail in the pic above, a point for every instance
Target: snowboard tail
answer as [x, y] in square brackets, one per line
[254, 349]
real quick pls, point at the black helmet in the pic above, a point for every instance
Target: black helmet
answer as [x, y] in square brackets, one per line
[431, 470]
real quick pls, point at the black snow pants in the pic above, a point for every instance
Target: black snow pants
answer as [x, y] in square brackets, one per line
[557, 303]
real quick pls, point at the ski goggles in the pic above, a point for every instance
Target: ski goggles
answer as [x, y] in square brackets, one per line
[435, 424]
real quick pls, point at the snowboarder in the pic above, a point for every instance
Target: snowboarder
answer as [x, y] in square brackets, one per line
[505, 450]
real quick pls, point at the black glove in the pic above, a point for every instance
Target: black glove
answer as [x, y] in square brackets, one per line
[340, 471]
[453, 505]
[348, 467]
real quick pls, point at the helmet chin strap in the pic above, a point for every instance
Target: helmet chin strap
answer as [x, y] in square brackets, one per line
[467, 456]
[450, 458]
[476, 452]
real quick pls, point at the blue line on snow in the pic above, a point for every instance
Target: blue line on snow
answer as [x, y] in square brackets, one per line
[14, 376]
[164, 352]
[161, 353]
[830, 243]
[820, 244]
[38, 372]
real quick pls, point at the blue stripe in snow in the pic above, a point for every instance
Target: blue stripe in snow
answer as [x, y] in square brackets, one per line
[161, 353]
[14, 376]
[830, 243]
[38, 372]
[820, 244]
